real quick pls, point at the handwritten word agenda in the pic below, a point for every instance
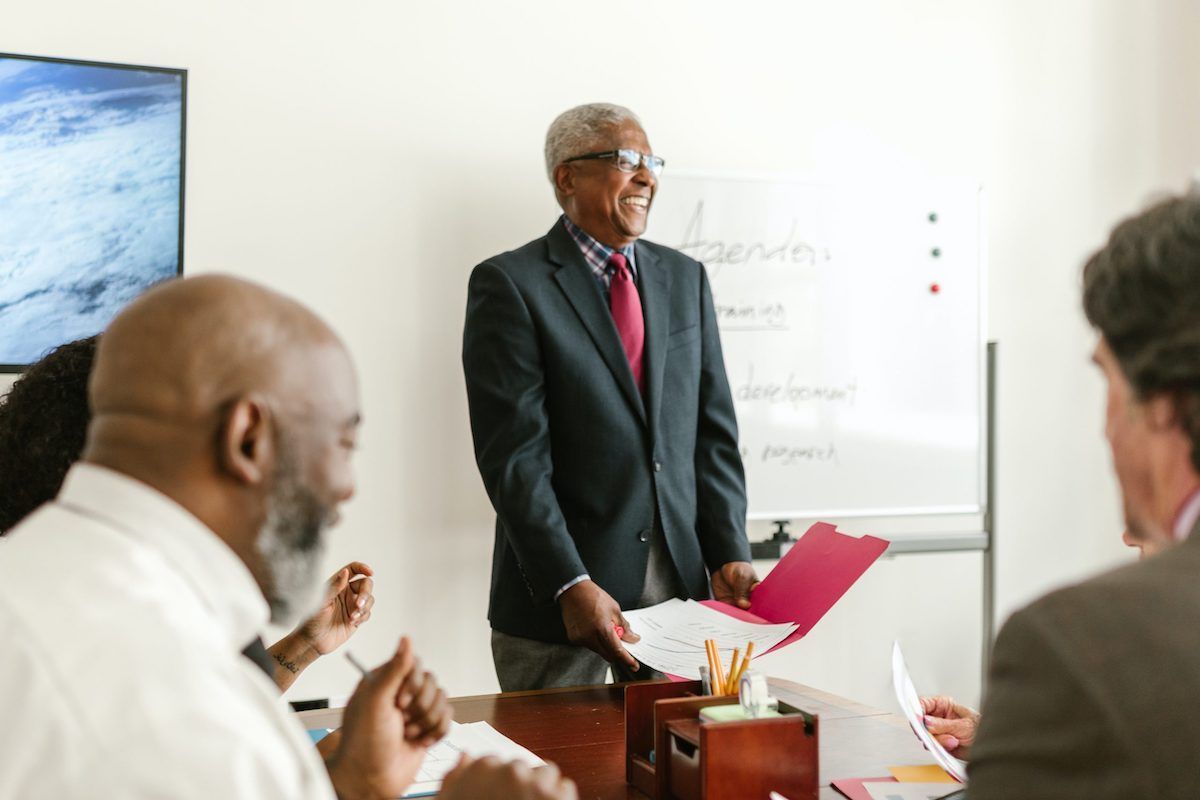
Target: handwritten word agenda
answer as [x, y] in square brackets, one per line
[716, 253]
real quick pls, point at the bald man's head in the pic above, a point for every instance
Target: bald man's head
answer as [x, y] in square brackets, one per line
[186, 346]
[240, 404]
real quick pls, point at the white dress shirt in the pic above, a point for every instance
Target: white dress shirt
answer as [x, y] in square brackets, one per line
[1189, 514]
[122, 618]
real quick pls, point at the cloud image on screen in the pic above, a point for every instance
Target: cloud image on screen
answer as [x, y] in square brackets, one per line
[90, 175]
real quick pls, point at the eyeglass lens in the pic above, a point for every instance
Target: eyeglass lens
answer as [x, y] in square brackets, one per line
[630, 160]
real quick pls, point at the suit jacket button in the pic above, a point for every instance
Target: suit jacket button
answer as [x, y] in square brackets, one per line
[644, 536]
[658, 466]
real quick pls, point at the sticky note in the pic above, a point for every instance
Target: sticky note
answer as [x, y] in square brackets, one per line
[925, 773]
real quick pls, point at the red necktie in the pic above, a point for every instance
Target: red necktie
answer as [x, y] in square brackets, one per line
[627, 314]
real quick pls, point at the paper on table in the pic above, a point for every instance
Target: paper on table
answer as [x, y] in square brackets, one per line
[673, 635]
[856, 788]
[909, 791]
[923, 773]
[910, 703]
[473, 738]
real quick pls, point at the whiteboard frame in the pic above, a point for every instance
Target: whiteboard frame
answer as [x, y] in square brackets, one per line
[981, 492]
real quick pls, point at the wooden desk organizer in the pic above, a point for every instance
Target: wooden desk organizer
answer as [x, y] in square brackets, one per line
[701, 760]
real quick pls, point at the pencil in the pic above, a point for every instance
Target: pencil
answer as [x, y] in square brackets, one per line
[720, 668]
[358, 665]
[733, 671]
[745, 662]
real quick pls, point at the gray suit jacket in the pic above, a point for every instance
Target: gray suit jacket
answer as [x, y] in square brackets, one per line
[1095, 690]
[579, 468]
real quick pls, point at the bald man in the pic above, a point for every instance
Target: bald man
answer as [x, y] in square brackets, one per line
[219, 452]
[43, 427]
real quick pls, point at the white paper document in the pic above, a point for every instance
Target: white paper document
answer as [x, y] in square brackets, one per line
[473, 738]
[910, 702]
[910, 791]
[673, 635]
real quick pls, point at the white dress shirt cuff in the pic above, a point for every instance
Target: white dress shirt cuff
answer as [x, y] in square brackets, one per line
[570, 583]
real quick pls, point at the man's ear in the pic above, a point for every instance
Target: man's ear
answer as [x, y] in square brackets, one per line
[1161, 411]
[245, 444]
[564, 180]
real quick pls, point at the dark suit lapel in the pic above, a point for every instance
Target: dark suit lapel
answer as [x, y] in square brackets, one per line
[575, 278]
[655, 288]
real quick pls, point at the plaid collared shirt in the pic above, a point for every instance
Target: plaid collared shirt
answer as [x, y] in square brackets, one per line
[597, 254]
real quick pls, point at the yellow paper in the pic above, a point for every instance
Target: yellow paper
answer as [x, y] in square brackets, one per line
[926, 773]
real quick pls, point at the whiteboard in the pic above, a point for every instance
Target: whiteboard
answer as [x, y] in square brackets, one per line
[852, 325]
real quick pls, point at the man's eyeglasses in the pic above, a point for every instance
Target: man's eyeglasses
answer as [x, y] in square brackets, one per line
[625, 160]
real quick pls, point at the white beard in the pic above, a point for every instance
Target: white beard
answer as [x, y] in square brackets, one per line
[295, 582]
[292, 543]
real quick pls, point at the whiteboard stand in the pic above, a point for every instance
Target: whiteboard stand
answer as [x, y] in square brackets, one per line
[989, 523]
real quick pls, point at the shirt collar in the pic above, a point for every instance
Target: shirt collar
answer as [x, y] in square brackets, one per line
[1188, 516]
[595, 252]
[204, 563]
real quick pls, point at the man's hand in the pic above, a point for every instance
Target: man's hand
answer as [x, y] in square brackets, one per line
[488, 777]
[590, 616]
[426, 710]
[347, 605]
[733, 582]
[951, 723]
[376, 756]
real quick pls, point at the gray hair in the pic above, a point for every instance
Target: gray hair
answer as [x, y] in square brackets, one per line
[1142, 292]
[578, 127]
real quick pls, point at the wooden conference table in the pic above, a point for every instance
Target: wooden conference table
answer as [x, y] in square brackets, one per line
[583, 731]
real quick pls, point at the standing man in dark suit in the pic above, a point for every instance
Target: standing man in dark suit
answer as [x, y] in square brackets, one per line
[603, 424]
[1093, 689]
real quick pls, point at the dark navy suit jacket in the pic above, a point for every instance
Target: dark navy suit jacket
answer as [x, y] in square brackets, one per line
[577, 465]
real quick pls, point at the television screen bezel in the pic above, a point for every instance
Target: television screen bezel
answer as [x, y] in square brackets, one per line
[182, 74]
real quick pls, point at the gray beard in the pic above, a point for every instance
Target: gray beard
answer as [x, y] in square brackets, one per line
[291, 543]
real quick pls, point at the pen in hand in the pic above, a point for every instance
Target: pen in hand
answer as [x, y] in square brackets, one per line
[358, 665]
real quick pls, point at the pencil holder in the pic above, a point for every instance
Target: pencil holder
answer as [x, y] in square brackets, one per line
[672, 754]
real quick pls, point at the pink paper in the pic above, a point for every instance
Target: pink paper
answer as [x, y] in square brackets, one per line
[855, 788]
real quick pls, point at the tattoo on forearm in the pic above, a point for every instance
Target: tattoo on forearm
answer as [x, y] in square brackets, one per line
[290, 666]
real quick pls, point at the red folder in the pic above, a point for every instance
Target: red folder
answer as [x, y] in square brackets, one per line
[808, 580]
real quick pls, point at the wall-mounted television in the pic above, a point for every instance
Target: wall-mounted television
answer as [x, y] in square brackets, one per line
[91, 195]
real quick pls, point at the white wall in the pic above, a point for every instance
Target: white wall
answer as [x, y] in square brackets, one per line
[364, 156]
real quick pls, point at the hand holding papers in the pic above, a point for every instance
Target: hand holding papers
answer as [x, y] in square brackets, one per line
[673, 635]
[910, 703]
[592, 618]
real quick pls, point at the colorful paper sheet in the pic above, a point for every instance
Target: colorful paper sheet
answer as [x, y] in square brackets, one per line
[856, 789]
[925, 773]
